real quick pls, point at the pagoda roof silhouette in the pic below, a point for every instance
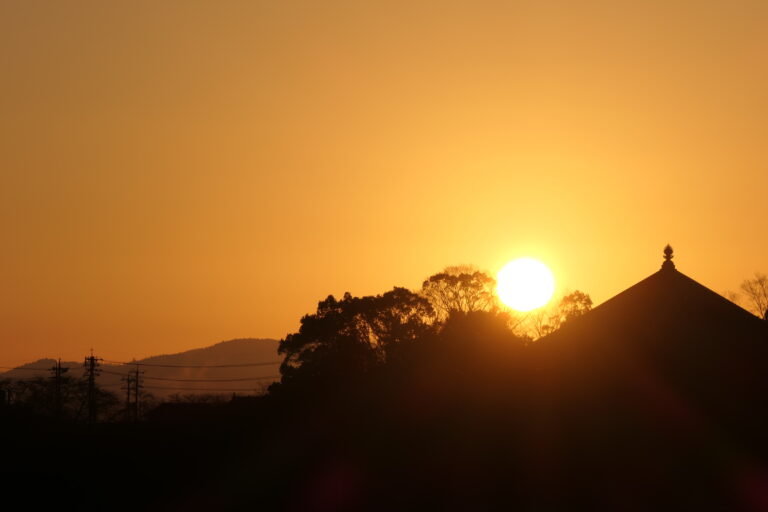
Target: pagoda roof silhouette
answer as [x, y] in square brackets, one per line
[666, 332]
[667, 304]
[662, 389]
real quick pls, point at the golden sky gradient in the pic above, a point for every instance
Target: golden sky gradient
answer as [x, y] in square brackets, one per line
[173, 174]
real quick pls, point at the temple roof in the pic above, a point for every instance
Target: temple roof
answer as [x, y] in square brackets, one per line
[666, 303]
[667, 326]
[665, 371]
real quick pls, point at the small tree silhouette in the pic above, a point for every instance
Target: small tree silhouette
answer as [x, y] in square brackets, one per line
[460, 288]
[755, 294]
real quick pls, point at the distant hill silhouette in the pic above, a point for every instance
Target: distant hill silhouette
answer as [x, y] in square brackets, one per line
[232, 352]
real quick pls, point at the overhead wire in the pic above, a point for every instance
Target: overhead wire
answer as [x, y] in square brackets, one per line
[243, 379]
[267, 377]
[201, 389]
[177, 388]
[25, 368]
[240, 365]
[174, 388]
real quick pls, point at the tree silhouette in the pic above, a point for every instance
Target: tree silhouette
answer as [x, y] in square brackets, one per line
[755, 291]
[547, 320]
[41, 396]
[393, 319]
[571, 306]
[347, 338]
[460, 288]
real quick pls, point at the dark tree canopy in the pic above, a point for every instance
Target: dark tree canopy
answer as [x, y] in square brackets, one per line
[348, 337]
[478, 334]
[68, 400]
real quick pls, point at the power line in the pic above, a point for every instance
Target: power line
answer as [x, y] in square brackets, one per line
[183, 388]
[216, 380]
[244, 379]
[114, 384]
[24, 368]
[201, 389]
[39, 378]
[241, 365]
[115, 373]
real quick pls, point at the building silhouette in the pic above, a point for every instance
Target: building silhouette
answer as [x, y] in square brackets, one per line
[660, 393]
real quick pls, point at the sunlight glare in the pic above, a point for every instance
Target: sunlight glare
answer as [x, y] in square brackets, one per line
[525, 284]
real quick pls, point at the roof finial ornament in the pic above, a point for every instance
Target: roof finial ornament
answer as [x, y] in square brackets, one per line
[668, 255]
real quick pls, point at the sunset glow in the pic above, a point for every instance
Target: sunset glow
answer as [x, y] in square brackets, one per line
[353, 255]
[525, 284]
[152, 202]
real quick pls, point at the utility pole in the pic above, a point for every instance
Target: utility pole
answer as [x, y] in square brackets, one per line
[91, 371]
[136, 392]
[57, 372]
[132, 393]
[128, 381]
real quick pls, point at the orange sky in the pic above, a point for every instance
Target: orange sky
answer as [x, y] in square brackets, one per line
[173, 174]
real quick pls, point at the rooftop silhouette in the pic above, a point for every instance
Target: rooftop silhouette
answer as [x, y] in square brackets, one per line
[665, 340]
[663, 306]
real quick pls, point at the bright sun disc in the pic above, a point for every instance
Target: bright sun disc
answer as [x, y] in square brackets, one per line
[525, 284]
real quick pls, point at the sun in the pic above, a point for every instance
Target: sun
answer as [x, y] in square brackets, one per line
[525, 284]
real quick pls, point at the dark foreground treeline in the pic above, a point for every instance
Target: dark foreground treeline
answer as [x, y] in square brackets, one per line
[392, 403]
